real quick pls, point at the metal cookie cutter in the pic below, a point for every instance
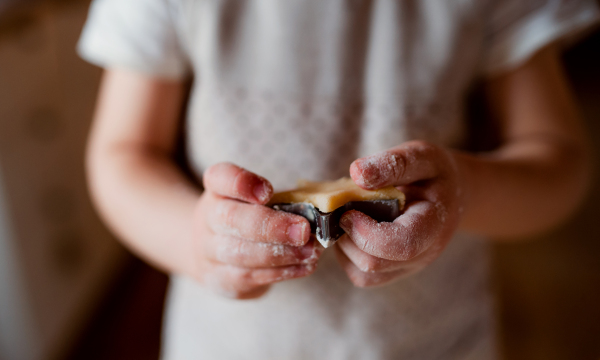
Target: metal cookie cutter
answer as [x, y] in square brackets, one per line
[326, 225]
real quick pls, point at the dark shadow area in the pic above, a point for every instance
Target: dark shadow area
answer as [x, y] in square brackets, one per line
[550, 287]
[128, 323]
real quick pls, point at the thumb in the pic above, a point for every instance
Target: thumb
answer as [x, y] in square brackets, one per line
[400, 165]
[231, 181]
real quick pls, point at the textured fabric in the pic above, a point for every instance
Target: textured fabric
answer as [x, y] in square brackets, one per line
[443, 312]
[131, 34]
[518, 28]
[299, 89]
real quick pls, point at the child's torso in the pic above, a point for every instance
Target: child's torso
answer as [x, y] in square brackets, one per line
[299, 89]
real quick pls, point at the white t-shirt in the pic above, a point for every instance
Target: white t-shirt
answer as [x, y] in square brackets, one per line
[299, 89]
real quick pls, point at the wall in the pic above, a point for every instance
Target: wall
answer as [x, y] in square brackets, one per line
[64, 255]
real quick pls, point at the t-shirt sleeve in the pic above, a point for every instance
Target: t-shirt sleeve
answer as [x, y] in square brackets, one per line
[139, 35]
[516, 29]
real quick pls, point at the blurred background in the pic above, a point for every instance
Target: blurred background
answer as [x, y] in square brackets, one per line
[69, 291]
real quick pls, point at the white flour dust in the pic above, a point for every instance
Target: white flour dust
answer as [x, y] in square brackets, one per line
[379, 168]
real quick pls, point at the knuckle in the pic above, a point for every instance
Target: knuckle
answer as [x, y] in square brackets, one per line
[267, 225]
[399, 169]
[231, 252]
[418, 148]
[370, 264]
[363, 242]
[223, 214]
[275, 225]
[408, 252]
[214, 171]
[273, 254]
[244, 277]
[240, 182]
[310, 269]
[422, 145]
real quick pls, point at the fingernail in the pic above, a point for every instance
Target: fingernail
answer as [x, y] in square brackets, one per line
[261, 192]
[376, 169]
[296, 233]
[346, 223]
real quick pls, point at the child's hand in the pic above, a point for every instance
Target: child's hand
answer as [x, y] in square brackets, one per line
[242, 246]
[376, 253]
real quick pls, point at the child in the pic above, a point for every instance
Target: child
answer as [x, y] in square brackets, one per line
[290, 89]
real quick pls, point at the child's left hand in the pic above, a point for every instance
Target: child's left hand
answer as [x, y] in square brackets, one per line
[375, 253]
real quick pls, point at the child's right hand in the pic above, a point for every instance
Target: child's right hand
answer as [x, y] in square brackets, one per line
[242, 246]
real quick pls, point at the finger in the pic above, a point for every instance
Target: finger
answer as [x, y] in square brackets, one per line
[233, 281]
[367, 279]
[232, 181]
[257, 223]
[408, 236]
[369, 263]
[239, 252]
[401, 165]
[366, 262]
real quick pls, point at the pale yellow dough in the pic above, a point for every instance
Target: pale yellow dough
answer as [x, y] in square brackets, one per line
[330, 195]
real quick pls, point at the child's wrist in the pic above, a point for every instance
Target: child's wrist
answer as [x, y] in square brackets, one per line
[466, 165]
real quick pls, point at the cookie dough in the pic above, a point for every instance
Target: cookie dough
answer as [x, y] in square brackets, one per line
[330, 195]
